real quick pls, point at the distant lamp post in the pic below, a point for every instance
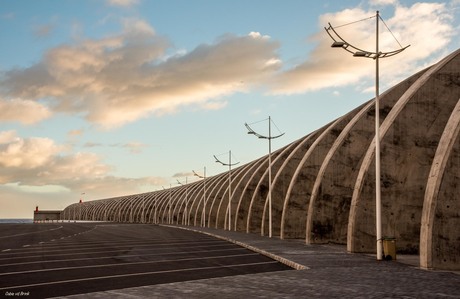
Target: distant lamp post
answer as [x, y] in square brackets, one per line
[203, 214]
[229, 207]
[269, 137]
[79, 206]
[339, 42]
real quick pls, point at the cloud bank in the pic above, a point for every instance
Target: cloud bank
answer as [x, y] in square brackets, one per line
[426, 26]
[119, 79]
[40, 162]
[137, 73]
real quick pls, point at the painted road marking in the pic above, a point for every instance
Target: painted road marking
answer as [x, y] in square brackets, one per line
[31, 233]
[132, 263]
[142, 246]
[135, 274]
[118, 256]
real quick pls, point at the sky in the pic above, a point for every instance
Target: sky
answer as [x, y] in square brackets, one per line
[103, 98]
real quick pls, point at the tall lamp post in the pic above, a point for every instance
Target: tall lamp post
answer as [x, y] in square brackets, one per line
[269, 137]
[339, 42]
[203, 215]
[229, 164]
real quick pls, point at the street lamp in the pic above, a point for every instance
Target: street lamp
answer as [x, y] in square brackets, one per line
[339, 42]
[203, 215]
[229, 164]
[269, 137]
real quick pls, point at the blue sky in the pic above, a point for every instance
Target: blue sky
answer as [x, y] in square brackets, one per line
[115, 97]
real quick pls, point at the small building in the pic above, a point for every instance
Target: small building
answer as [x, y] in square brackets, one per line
[46, 215]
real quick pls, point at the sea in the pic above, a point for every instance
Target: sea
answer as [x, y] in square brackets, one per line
[23, 220]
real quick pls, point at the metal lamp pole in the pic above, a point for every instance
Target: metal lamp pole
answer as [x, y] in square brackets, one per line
[229, 164]
[339, 42]
[269, 137]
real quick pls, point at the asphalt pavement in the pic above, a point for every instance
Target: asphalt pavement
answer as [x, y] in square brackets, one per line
[61, 259]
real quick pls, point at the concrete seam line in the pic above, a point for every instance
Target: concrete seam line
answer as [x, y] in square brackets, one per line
[275, 257]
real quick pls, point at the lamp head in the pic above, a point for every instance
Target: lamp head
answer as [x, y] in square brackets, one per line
[338, 44]
[360, 54]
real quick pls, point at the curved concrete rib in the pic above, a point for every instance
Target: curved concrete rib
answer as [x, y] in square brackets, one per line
[319, 178]
[302, 166]
[430, 256]
[280, 175]
[361, 228]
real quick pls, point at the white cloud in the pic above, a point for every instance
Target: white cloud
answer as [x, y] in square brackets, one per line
[122, 2]
[40, 164]
[426, 26]
[383, 2]
[134, 147]
[75, 133]
[26, 154]
[23, 111]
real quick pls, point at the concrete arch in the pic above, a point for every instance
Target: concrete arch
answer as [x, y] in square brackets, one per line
[323, 183]
[441, 203]
[297, 198]
[243, 196]
[405, 178]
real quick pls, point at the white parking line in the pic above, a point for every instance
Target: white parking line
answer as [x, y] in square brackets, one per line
[133, 274]
[132, 263]
[119, 256]
[41, 231]
[119, 248]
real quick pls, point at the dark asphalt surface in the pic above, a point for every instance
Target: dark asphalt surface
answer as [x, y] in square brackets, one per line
[60, 259]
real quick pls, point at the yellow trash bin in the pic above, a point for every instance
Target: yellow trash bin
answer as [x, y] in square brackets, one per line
[389, 248]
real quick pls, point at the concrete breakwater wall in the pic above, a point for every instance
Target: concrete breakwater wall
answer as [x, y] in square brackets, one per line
[324, 183]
